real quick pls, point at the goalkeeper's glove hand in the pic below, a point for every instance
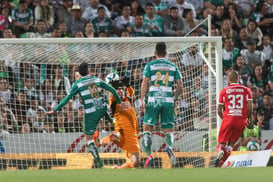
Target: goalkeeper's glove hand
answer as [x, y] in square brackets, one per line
[126, 81]
[115, 83]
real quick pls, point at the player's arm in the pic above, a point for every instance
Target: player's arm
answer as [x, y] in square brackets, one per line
[129, 89]
[220, 110]
[249, 107]
[178, 90]
[65, 100]
[112, 90]
[144, 87]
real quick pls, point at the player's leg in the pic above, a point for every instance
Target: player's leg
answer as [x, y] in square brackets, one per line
[223, 137]
[167, 122]
[113, 137]
[90, 126]
[150, 120]
[134, 161]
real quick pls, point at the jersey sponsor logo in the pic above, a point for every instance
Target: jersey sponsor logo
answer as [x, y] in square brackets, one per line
[228, 91]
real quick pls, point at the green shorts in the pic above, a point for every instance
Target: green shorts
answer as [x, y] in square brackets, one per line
[92, 120]
[152, 114]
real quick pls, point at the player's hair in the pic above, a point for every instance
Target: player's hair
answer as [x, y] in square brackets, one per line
[160, 49]
[233, 76]
[83, 69]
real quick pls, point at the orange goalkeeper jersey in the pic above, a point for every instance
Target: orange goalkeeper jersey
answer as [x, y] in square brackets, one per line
[126, 119]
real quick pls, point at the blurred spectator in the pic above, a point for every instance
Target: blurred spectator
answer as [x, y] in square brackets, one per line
[236, 19]
[7, 118]
[181, 5]
[125, 33]
[260, 119]
[79, 34]
[227, 31]
[41, 30]
[38, 123]
[218, 18]
[78, 122]
[258, 79]
[29, 88]
[62, 26]
[61, 82]
[267, 107]
[56, 33]
[140, 29]
[5, 92]
[91, 11]
[192, 23]
[62, 14]
[241, 42]
[75, 22]
[83, 3]
[125, 19]
[153, 21]
[251, 55]
[101, 22]
[102, 34]
[22, 19]
[4, 18]
[229, 53]
[263, 18]
[244, 70]
[46, 94]
[266, 47]
[61, 119]
[212, 4]
[257, 95]
[254, 32]
[246, 5]
[19, 107]
[173, 25]
[31, 113]
[226, 71]
[25, 129]
[7, 34]
[192, 60]
[48, 125]
[89, 30]
[161, 7]
[44, 12]
[136, 8]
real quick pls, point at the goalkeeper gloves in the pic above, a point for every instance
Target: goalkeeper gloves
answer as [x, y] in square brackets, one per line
[126, 81]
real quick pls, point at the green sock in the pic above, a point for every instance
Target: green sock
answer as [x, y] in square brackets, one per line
[169, 139]
[147, 142]
[94, 151]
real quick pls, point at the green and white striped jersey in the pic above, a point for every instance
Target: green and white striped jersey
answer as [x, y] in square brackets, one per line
[90, 90]
[162, 74]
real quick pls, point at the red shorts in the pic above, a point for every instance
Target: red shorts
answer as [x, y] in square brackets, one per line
[231, 130]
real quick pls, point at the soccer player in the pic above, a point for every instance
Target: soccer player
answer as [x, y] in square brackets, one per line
[235, 110]
[126, 124]
[161, 74]
[89, 88]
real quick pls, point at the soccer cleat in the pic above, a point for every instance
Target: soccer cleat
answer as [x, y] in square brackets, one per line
[171, 155]
[218, 158]
[149, 161]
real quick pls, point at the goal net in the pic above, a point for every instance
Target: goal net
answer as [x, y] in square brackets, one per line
[36, 74]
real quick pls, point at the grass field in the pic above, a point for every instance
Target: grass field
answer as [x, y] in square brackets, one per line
[140, 175]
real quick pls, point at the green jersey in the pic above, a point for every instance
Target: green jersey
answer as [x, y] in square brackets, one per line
[250, 132]
[106, 25]
[90, 90]
[162, 74]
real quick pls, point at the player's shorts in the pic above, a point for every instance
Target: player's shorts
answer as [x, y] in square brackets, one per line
[231, 130]
[152, 114]
[92, 120]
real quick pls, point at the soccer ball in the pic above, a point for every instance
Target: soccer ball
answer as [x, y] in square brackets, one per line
[111, 76]
[252, 146]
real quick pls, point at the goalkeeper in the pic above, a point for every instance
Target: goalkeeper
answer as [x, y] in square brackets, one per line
[126, 124]
[89, 88]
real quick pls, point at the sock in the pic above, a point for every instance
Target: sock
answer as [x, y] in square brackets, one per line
[147, 142]
[220, 147]
[228, 150]
[169, 139]
[94, 151]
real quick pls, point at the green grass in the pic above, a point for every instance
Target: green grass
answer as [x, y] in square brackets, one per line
[141, 175]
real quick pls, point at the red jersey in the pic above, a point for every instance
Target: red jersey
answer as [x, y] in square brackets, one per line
[234, 97]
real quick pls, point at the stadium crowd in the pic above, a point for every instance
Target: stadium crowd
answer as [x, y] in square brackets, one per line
[28, 90]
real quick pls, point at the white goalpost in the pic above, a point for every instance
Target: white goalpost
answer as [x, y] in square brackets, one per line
[35, 74]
